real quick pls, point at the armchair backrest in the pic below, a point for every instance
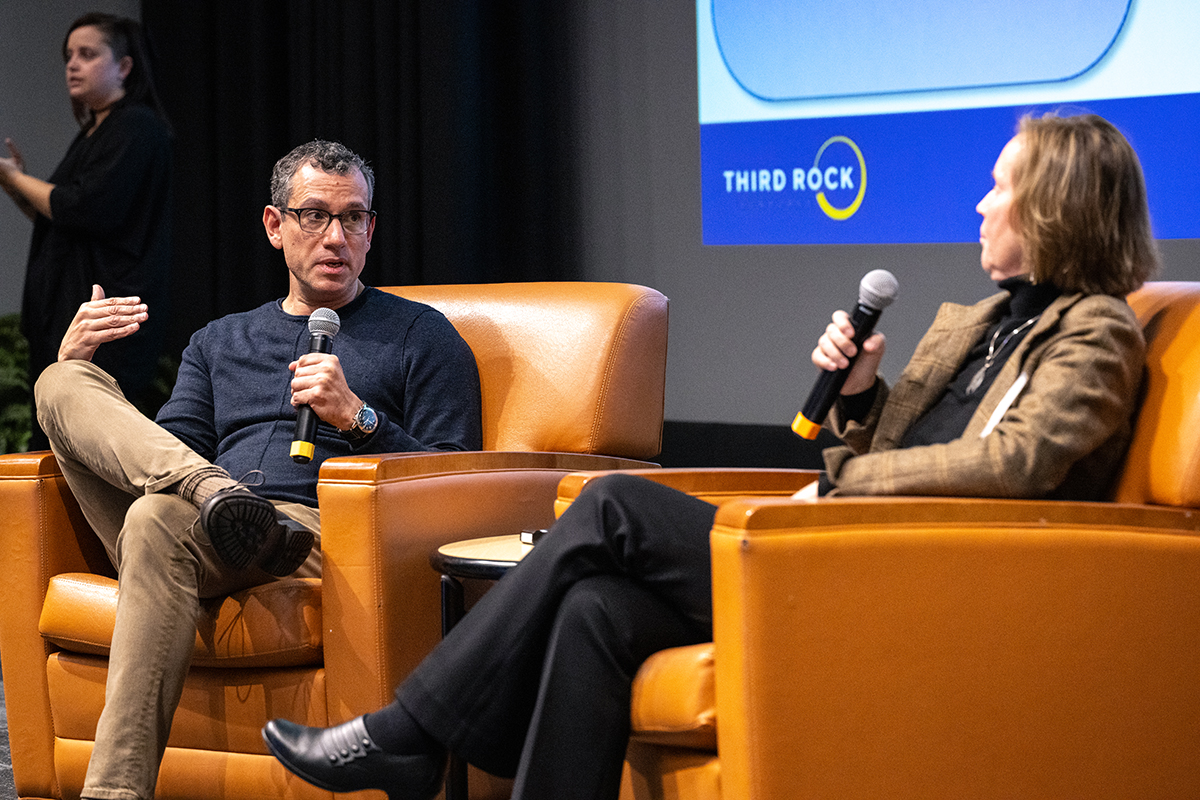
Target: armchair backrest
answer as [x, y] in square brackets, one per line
[563, 367]
[1163, 464]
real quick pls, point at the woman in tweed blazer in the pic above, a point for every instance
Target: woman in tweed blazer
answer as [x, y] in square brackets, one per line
[1026, 394]
[1066, 233]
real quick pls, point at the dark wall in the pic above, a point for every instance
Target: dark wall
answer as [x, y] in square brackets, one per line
[456, 105]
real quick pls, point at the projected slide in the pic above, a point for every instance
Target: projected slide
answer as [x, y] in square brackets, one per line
[878, 121]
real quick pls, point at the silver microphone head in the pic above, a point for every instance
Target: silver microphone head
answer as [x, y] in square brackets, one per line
[878, 289]
[324, 320]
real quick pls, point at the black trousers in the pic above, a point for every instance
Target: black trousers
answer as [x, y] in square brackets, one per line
[535, 681]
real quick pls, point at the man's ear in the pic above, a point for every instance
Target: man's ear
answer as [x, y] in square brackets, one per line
[273, 222]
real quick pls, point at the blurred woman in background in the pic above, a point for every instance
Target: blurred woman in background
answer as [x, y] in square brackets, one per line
[103, 218]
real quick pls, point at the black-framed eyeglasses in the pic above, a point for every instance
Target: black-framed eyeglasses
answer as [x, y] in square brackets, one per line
[316, 220]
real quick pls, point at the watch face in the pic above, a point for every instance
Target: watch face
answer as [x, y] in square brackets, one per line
[366, 419]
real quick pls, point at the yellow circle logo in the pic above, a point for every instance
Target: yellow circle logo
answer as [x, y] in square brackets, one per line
[830, 210]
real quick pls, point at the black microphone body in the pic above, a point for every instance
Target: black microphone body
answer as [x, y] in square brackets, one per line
[877, 291]
[322, 326]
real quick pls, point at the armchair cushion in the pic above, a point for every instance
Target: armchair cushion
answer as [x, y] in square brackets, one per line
[277, 624]
[673, 698]
[226, 705]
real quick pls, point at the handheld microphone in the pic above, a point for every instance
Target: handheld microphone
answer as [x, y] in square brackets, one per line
[876, 292]
[323, 325]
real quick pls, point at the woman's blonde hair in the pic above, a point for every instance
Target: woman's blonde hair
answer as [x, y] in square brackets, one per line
[1079, 201]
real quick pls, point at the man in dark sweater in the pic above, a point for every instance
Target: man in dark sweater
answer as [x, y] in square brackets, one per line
[207, 499]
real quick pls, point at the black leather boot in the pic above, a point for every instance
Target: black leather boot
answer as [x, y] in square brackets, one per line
[344, 759]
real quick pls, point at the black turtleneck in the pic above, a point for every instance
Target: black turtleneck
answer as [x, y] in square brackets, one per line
[946, 420]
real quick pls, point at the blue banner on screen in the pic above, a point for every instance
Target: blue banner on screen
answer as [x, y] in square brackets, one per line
[916, 177]
[819, 128]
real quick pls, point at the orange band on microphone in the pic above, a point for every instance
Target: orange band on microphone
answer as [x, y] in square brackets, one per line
[804, 427]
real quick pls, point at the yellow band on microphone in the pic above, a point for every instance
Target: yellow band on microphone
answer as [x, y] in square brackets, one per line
[804, 427]
[303, 451]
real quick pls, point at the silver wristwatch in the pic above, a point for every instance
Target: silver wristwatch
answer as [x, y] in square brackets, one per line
[364, 424]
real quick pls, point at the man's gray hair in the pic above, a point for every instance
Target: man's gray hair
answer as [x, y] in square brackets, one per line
[331, 157]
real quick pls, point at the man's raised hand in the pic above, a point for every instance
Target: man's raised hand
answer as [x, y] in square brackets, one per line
[101, 320]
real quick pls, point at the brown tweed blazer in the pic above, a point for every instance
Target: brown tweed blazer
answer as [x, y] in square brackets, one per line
[1062, 436]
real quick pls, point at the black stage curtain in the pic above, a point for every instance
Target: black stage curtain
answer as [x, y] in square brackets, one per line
[462, 108]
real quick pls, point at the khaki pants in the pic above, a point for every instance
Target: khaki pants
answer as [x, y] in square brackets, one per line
[117, 463]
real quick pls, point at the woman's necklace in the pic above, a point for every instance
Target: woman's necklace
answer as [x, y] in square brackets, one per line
[993, 351]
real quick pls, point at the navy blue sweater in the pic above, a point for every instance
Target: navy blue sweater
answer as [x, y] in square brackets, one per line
[232, 399]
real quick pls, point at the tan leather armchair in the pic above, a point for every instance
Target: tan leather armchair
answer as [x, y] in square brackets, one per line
[925, 647]
[568, 371]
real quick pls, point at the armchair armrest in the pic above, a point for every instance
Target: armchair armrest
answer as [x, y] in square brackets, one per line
[933, 647]
[37, 500]
[713, 484]
[381, 517]
[395, 466]
[42, 533]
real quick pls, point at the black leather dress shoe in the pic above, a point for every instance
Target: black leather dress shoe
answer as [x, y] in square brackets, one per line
[344, 759]
[246, 530]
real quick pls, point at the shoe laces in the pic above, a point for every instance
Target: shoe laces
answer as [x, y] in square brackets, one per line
[244, 482]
